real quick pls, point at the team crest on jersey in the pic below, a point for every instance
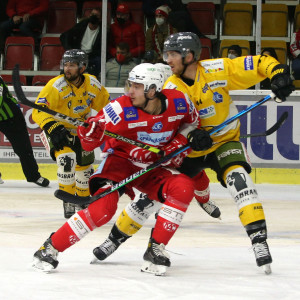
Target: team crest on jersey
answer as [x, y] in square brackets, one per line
[43, 101]
[157, 127]
[248, 63]
[218, 98]
[79, 109]
[180, 105]
[130, 113]
[207, 112]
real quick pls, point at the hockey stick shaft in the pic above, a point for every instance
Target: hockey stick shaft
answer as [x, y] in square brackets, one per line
[73, 121]
[272, 129]
[87, 200]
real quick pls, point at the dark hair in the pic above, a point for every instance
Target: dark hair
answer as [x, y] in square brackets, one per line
[123, 46]
[236, 48]
[271, 50]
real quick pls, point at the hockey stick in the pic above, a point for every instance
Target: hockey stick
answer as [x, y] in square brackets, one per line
[66, 197]
[73, 121]
[272, 129]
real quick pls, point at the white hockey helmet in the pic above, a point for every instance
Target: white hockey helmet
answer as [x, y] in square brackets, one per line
[149, 75]
[166, 69]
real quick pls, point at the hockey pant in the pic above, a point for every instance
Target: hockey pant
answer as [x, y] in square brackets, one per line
[244, 193]
[177, 193]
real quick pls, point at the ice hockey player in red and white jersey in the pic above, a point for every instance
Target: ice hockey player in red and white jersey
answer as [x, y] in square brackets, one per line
[160, 118]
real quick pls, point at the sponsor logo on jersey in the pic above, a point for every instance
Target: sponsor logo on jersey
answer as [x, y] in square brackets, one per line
[138, 124]
[217, 83]
[214, 66]
[69, 95]
[130, 113]
[91, 95]
[207, 112]
[180, 105]
[157, 127]
[170, 86]
[172, 119]
[218, 98]
[79, 108]
[248, 63]
[114, 117]
[205, 88]
[154, 138]
[43, 101]
[229, 152]
[95, 83]
[60, 83]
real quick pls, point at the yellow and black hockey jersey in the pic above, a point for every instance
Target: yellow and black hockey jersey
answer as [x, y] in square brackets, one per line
[210, 92]
[63, 97]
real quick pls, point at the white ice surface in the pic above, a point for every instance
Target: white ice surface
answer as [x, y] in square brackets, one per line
[211, 259]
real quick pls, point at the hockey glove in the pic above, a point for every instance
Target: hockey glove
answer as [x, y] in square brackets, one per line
[92, 135]
[281, 82]
[178, 142]
[59, 135]
[199, 140]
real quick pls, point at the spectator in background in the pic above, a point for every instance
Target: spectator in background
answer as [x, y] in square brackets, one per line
[150, 57]
[234, 51]
[295, 51]
[266, 83]
[13, 126]
[125, 30]
[156, 35]
[26, 15]
[118, 68]
[149, 7]
[86, 35]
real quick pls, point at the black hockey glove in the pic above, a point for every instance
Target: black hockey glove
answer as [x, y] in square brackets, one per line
[59, 135]
[281, 82]
[199, 140]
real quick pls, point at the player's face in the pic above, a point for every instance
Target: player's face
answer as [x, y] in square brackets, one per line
[71, 71]
[174, 60]
[136, 94]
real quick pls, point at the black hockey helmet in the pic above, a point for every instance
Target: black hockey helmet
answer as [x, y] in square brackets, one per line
[75, 55]
[184, 43]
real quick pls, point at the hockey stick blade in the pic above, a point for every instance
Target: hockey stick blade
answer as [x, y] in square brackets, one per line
[272, 129]
[61, 117]
[62, 195]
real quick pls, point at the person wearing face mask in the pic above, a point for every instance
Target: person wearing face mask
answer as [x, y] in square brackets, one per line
[234, 51]
[86, 35]
[118, 68]
[156, 35]
[124, 29]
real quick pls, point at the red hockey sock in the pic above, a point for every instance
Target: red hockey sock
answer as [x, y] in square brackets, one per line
[202, 192]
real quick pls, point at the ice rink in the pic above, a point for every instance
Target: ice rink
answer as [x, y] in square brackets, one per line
[211, 259]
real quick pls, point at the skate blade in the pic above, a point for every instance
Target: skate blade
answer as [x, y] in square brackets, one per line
[157, 270]
[267, 269]
[95, 261]
[42, 266]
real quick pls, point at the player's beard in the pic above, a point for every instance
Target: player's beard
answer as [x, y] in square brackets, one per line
[72, 78]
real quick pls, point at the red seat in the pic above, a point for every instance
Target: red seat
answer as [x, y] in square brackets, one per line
[206, 49]
[62, 15]
[88, 6]
[203, 16]
[19, 50]
[51, 52]
[136, 9]
[8, 79]
[41, 80]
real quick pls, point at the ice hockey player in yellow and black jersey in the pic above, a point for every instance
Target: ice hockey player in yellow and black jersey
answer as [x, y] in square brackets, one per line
[74, 93]
[207, 84]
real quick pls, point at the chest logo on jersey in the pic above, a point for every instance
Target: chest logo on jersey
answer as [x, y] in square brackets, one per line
[130, 113]
[248, 63]
[79, 108]
[43, 100]
[180, 105]
[207, 112]
[157, 127]
[114, 117]
[154, 138]
[214, 66]
[138, 124]
[218, 98]
[217, 83]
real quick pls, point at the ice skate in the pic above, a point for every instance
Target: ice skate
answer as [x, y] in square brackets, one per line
[156, 259]
[109, 246]
[45, 259]
[261, 250]
[211, 208]
[43, 182]
[69, 209]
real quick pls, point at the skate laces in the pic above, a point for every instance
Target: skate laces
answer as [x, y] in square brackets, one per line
[159, 250]
[261, 249]
[208, 206]
[108, 246]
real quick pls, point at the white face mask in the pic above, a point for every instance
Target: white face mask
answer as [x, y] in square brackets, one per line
[232, 56]
[159, 21]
